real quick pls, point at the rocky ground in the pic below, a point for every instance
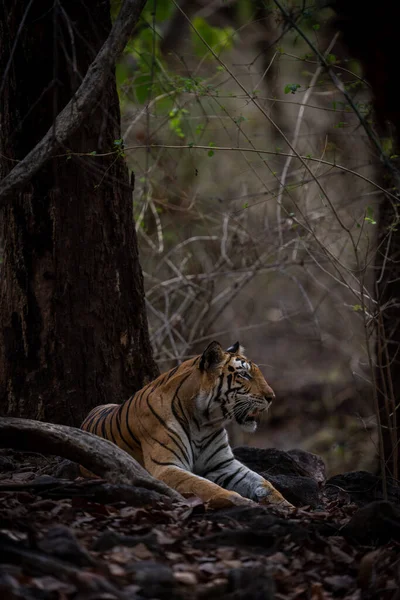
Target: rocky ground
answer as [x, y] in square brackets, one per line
[64, 538]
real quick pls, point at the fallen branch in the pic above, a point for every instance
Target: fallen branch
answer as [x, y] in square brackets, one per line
[101, 457]
[82, 102]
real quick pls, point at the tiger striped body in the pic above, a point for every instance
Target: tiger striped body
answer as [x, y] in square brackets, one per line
[175, 426]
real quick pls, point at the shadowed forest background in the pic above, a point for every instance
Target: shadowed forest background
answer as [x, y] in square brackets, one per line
[260, 140]
[238, 238]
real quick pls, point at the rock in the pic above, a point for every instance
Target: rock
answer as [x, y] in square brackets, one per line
[109, 539]
[245, 583]
[311, 463]
[269, 460]
[376, 523]
[362, 486]
[61, 543]
[66, 469]
[6, 464]
[257, 530]
[155, 580]
[300, 491]
[296, 474]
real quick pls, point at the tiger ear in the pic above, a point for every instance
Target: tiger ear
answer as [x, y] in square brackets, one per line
[234, 348]
[212, 357]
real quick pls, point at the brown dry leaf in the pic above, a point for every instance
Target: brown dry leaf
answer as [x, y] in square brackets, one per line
[340, 582]
[225, 553]
[142, 552]
[367, 570]
[232, 564]
[317, 591]
[340, 555]
[163, 538]
[116, 570]
[186, 577]
[298, 591]
[181, 567]
[174, 556]
[210, 568]
[130, 511]
[279, 558]
[120, 554]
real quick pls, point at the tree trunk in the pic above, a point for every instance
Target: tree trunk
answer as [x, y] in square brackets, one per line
[73, 328]
[371, 36]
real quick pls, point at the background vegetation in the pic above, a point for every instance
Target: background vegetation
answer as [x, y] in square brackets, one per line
[256, 207]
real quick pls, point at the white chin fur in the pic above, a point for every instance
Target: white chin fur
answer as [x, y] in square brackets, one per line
[249, 427]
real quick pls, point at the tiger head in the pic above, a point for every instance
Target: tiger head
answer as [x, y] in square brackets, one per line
[232, 387]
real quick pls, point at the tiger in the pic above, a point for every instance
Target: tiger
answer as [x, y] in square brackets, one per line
[175, 427]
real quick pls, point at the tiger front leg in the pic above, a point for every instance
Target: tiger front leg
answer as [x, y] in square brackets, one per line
[231, 474]
[185, 482]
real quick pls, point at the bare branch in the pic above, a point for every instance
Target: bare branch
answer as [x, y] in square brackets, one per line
[82, 103]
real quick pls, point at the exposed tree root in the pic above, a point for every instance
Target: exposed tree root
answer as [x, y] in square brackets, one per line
[101, 457]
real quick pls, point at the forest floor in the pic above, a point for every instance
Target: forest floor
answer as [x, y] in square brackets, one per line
[74, 539]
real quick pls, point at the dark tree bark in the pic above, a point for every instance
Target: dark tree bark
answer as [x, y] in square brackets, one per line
[73, 328]
[371, 35]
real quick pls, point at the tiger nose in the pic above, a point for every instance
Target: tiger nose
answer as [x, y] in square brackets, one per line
[270, 395]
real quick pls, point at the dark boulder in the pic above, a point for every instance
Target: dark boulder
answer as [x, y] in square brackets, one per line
[363, 487]
[296, 474]
[376, 523]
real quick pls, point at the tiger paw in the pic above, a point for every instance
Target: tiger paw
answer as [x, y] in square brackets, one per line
[268, 495]
[229, 499]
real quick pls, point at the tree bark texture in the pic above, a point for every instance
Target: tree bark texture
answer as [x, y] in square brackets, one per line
[370, 33]
[73, 327]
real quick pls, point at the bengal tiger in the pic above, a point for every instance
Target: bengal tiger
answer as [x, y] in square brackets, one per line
[175, 426]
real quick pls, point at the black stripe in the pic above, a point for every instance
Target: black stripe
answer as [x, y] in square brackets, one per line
[128, 411]
[159, 462]
[103, 417]
[218, 466]
[183, 423]
[196, 422]
[119, 412]
[87, 423]
[228, 479]
[111, 426]
[214, 396]
[241, 479]
[221, 447]
[171, 373]
[171, 450]
[175, 437]
[209, 439]
[229, 380]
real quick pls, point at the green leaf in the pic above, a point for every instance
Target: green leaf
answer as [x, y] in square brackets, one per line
[200, 128]
[218, 38]
[291, 88]
[369, 216]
